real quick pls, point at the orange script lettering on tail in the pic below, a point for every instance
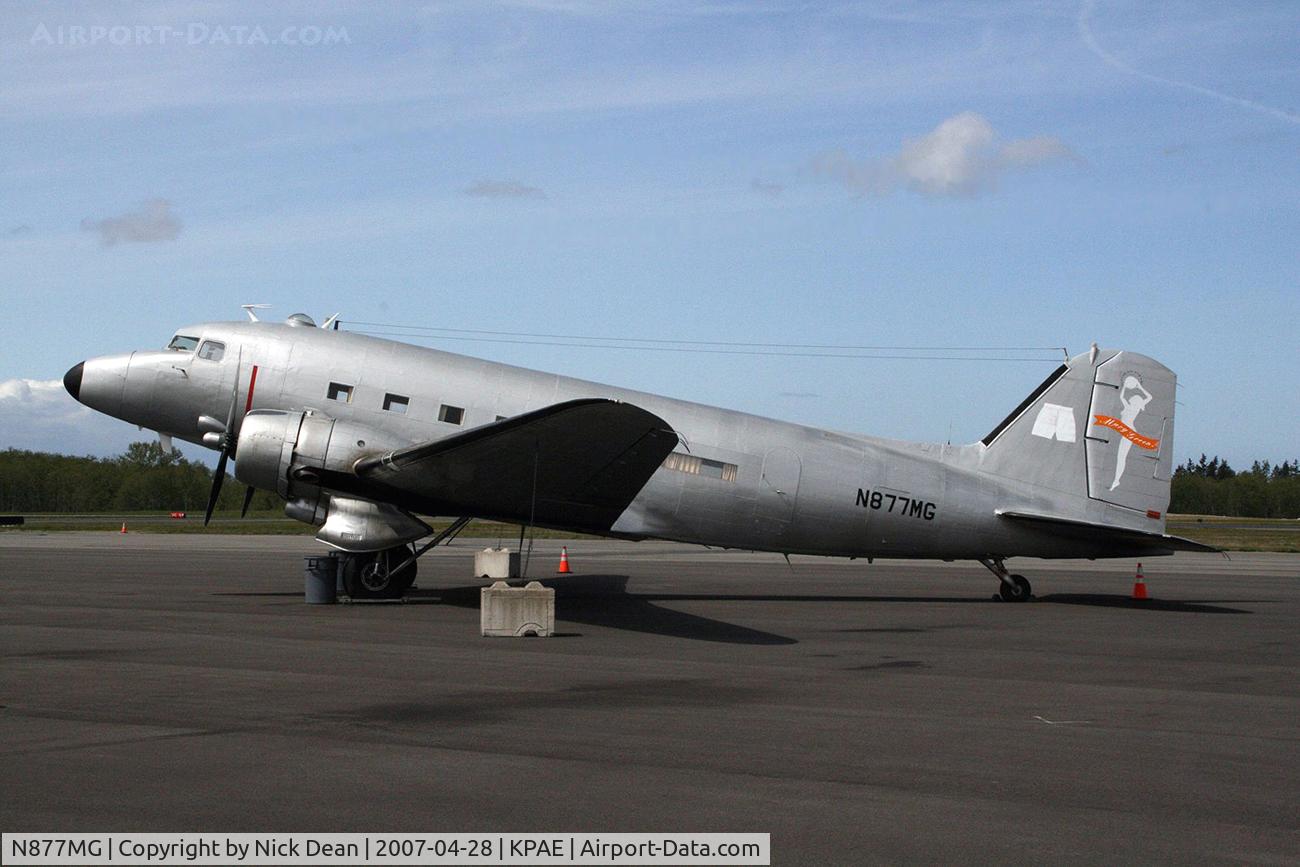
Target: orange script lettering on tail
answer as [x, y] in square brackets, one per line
[1127, 432]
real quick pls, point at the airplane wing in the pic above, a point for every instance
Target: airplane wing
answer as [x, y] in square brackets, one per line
[577, 463]
[1134, 541]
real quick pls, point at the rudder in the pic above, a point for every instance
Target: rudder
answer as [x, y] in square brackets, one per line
[1130, 433]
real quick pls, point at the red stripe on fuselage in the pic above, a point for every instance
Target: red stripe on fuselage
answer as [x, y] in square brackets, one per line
[252, 383]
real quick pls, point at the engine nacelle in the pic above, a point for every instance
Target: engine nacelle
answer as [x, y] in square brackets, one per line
[285, 452]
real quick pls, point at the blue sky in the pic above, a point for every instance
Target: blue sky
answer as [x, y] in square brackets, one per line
[1019, 174]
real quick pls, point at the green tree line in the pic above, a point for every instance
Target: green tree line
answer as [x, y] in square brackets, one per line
[144, 478]
[1211, 487]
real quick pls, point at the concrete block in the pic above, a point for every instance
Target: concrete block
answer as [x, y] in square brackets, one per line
[517, 611]
[496, 563]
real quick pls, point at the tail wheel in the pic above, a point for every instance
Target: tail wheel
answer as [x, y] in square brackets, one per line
[1017, 591]
[376, 575]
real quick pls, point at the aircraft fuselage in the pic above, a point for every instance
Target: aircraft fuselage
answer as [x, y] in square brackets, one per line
[736, 480]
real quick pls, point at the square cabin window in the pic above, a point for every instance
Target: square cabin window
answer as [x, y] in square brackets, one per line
[212, 350]
[712, 469]
[396, 403]
[340, 392]
[451, 414]
[695, 466]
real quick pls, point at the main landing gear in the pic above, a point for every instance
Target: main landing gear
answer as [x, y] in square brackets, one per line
[389, 573]
[383, 574]
[1015, 588]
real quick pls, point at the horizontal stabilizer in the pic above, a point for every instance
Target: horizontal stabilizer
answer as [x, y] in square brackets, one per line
[574, 464]
[1125, 540]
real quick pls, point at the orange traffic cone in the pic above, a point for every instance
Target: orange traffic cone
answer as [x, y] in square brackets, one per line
[564, 562]
[124, 526]
[1139, 585]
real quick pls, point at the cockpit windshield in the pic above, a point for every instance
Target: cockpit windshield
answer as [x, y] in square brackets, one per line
[181, 343]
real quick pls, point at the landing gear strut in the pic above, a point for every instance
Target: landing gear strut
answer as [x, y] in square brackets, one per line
[1014, 588]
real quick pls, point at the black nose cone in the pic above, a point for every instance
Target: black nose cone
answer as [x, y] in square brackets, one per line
[72, 381]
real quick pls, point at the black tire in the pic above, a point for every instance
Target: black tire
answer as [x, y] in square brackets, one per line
[1018, 591]
[370, 575]
[405, 580]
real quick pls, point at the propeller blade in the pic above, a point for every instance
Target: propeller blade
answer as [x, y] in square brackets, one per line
[217, 478]
[234, 402]
[248, 498]
[227, 445]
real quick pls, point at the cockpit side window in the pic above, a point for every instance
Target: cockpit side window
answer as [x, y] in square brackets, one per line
[212, 350]
[181, 343]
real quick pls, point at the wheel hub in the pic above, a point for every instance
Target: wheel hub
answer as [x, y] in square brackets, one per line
[374, 575]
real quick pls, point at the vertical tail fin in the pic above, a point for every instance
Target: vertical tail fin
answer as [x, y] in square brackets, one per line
[1099, 429]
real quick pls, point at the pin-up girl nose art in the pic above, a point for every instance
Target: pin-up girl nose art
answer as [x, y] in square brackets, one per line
[1134, 398]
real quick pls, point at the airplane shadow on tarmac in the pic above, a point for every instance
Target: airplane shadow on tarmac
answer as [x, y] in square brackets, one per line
[603, 600]
[1097, 599]
[1115, 600]
[607, 585]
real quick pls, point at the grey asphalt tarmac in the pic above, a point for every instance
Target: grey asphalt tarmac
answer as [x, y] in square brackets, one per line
[859, 713]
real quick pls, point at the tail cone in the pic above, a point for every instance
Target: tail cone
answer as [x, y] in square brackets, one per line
[1139, 585]
[564, 562]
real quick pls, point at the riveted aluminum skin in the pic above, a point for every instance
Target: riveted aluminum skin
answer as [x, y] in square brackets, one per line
[265, 449]
[360, 525]
[1080, 469]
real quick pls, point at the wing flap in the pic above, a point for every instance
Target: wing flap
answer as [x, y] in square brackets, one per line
[573, 464]
[1123, 537]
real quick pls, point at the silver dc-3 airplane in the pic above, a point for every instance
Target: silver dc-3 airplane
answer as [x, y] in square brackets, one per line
[360, 435]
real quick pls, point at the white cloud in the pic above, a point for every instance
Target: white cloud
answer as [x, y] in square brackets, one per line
[960, 157]
[504, 190]
[39, 415]
[152, 221]
[33, 391]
